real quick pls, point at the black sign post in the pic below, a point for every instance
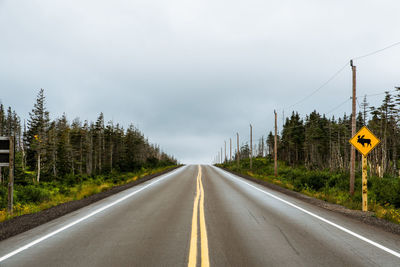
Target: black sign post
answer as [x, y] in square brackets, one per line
[7, 151]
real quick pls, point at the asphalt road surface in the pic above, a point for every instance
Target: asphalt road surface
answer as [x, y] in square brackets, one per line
[201, 216]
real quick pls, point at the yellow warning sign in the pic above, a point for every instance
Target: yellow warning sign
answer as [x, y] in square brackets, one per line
[364, 140]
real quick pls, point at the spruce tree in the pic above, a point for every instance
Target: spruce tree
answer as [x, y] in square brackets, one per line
[2, 119]
[38, 124]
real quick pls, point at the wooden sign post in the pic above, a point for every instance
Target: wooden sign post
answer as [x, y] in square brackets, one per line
[364, 184]
[364, 141]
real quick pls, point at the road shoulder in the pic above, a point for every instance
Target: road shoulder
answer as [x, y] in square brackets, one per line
[26, 222]
[365, 217]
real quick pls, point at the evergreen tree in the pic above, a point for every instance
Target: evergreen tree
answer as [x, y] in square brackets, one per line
[64, 151]
[56, 149]
[2, 119]
[270, 143]
[364, 108]
[38, 124]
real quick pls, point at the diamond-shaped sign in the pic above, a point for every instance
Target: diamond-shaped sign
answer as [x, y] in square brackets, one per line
[364, 140]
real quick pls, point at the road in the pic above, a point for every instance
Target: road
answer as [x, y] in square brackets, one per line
[201, 216]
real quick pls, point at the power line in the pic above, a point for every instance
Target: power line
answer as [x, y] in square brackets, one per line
[392, 91]
[320, 87]
[338, 106]
[359, 106]
[328, 81]
[377, 51]
[339, 71]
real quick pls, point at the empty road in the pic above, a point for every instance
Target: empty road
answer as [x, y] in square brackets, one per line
[201, 216]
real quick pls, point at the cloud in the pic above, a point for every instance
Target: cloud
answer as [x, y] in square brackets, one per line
[192, 74]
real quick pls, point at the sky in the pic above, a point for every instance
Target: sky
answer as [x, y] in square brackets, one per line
[192, 74]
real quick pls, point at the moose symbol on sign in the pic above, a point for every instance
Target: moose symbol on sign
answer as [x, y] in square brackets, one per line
[363, 141]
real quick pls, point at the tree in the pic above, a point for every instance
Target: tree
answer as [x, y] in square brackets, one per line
[38, 124]
[364, 107]
[293, 137]
[64, 151]
[2, 119]
[270, 143]
[244, 151]
[57, 149]
[99, 143]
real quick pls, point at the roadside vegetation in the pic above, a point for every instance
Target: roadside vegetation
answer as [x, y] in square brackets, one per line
[327, 185]
[58, 161]
[314, 157]
[32, 197]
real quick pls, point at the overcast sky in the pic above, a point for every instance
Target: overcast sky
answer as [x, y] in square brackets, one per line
[190, 74]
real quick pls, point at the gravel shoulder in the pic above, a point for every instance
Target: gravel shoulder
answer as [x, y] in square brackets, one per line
[26, 222]
[365, 217]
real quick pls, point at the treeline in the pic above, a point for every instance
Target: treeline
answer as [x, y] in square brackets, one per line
[319, 142]
[53, 149]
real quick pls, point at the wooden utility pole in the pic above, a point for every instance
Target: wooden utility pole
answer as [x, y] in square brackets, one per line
[230, 149]
[251, 147]
[276, 147]
[11, 176]
[225, 151]
[364, 184]
[221, 156]
[262, 146]
[238, 151]
[353, 131]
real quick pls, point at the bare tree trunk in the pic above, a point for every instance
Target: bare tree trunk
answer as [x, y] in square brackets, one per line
[383, 169]
[38, 169]
[99, 152]
[72, 162]
[53, 154]
[91, 155]
[54, 165]
[111, 155]
[81, 156]
[103, 149]
[383, 158]
[95, 159]
[23, 157]
[395, 155]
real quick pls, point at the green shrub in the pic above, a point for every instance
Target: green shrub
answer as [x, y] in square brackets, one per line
[386, 190]
[65, 190]
[32, 193]
[338, 180]
[3, 197]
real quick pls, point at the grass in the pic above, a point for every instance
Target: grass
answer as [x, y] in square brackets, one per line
[33, 198]
[383, 193]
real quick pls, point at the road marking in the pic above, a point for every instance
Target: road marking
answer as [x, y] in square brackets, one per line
[205, 260]
[199, 200]
[193, 237]
[388, 250]
[81, 219]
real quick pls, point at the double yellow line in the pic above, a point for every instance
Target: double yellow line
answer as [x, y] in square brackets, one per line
[199, 200]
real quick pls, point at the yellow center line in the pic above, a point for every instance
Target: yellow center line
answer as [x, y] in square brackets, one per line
[193, 238]
[203, 231]
[205, 261]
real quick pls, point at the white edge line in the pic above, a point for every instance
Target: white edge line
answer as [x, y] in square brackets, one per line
[83, 218]
[388, 250]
